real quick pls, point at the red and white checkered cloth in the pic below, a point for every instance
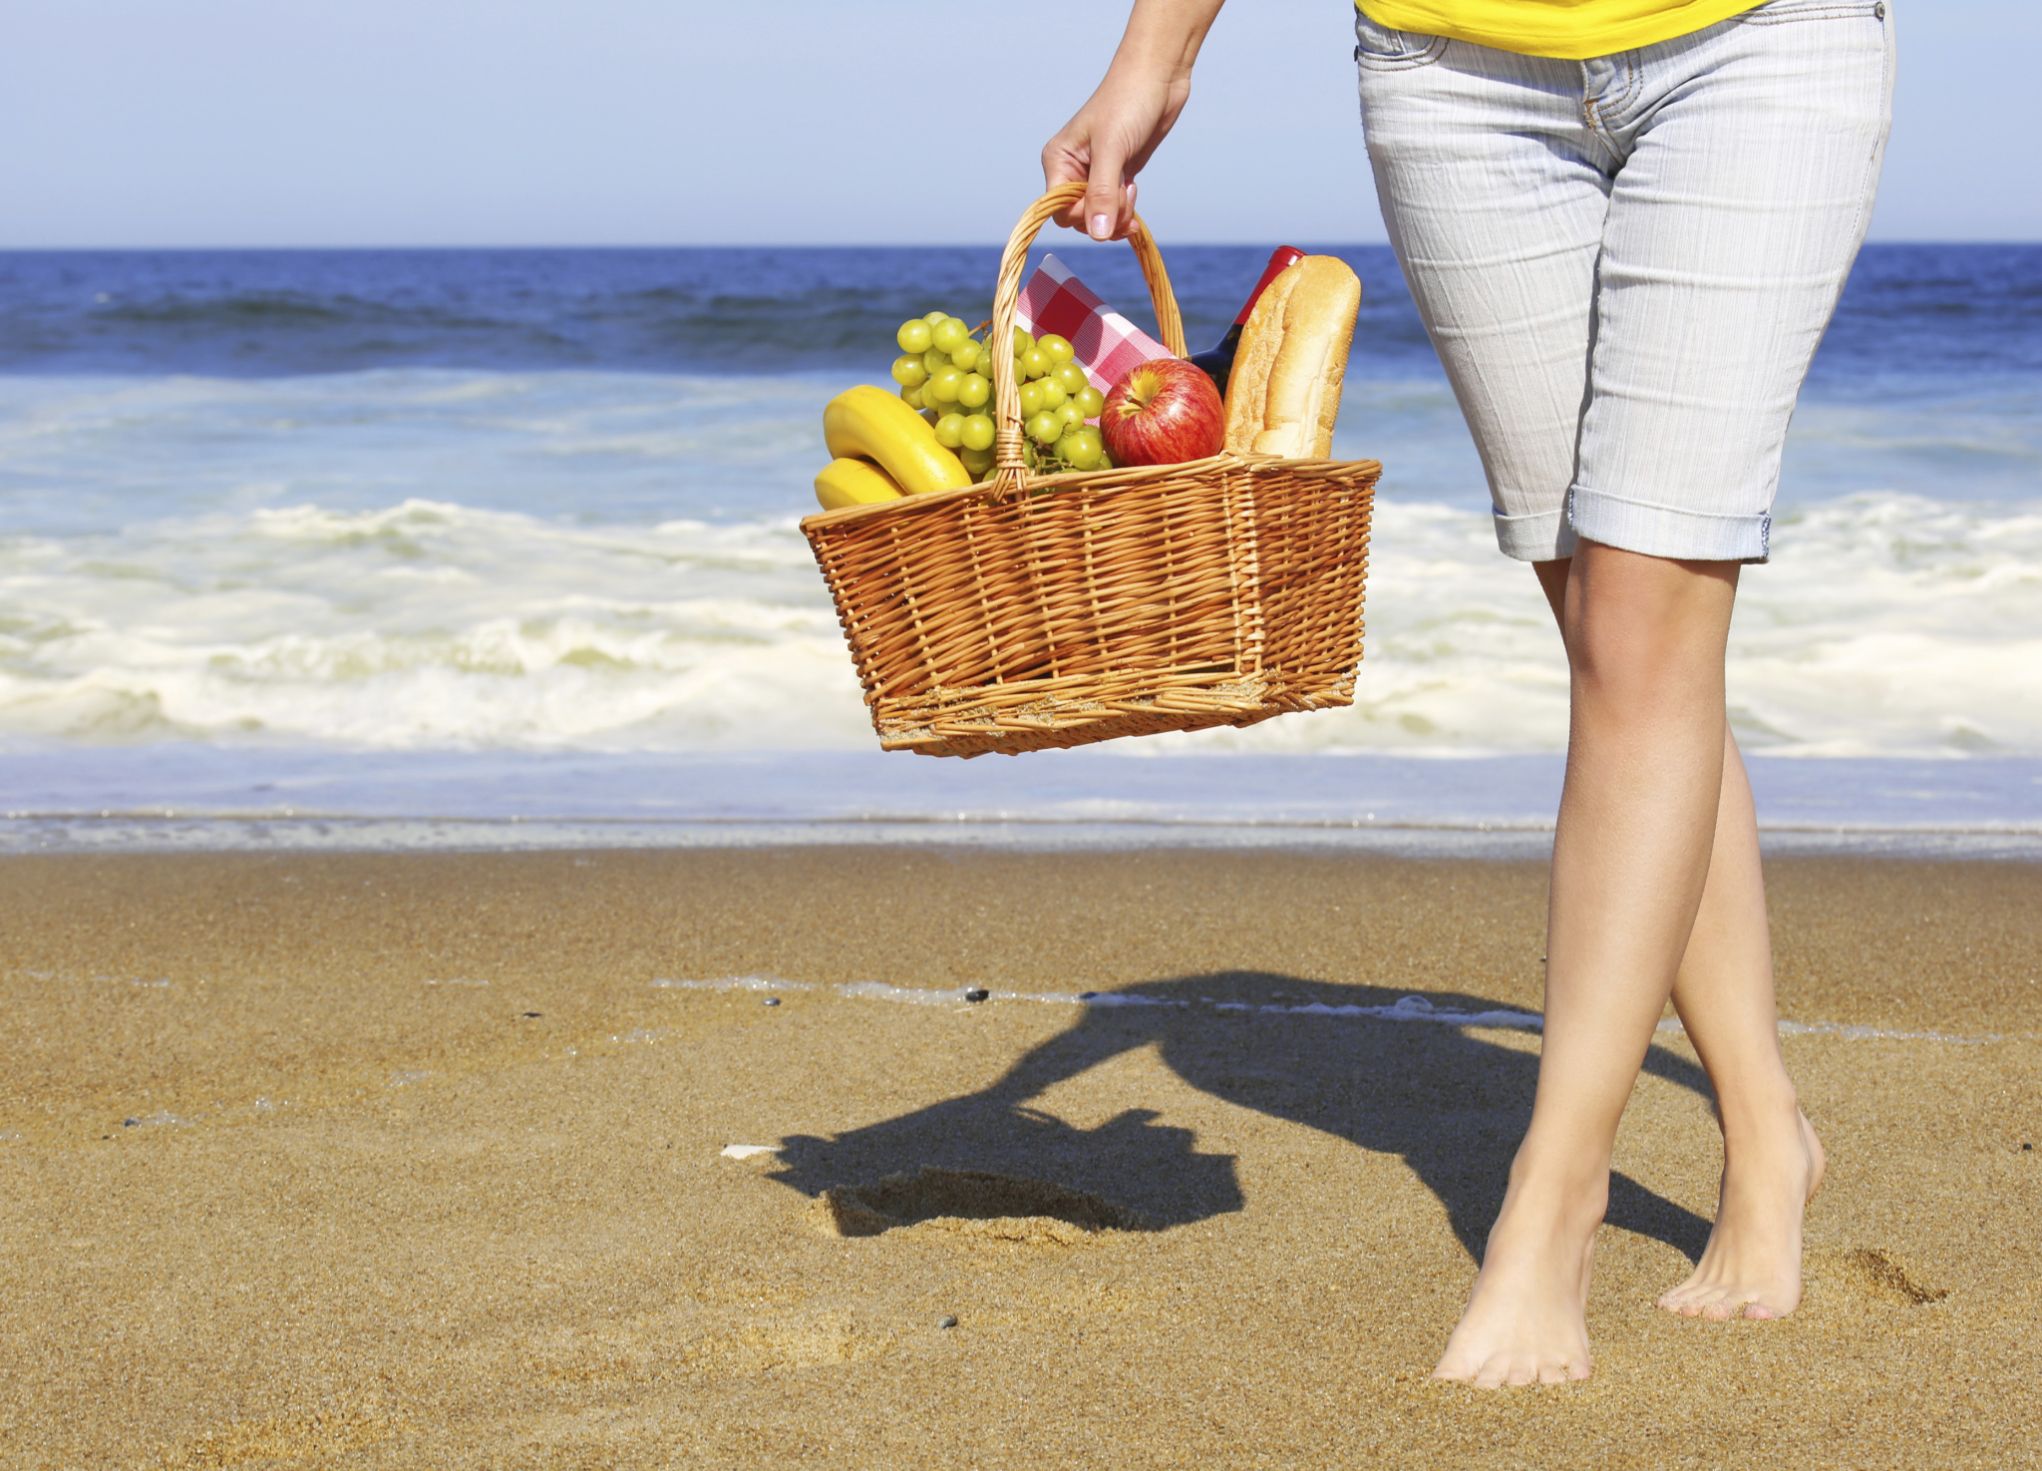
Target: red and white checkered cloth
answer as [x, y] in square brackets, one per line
[1105, 344]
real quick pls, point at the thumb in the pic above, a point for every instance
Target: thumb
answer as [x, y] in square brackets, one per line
[1105, 192]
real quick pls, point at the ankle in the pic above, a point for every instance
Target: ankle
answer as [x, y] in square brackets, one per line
[1559, 1185]
[1760, 1117]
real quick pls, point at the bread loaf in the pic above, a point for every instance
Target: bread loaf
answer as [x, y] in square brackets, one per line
[1284, 392]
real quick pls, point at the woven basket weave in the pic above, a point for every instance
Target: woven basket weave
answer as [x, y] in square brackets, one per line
[1033, 611]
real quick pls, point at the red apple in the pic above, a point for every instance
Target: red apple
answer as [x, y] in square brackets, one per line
[1163, 412]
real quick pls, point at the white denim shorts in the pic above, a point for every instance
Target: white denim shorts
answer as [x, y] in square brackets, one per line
[1625, 263]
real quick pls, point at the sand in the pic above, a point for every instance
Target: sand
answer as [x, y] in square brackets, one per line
[419, 1161]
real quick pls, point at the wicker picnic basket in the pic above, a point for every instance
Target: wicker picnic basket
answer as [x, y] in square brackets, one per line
[1032, 611]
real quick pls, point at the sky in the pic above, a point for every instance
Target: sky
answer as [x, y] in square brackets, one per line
[657, 122]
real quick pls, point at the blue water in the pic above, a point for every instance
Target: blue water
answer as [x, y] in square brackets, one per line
[359, 522]
[1913, 316]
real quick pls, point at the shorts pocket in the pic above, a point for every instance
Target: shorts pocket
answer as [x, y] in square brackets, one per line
[1380, 48]
[1779, 12]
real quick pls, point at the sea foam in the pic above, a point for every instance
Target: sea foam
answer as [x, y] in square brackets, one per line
[585, 561]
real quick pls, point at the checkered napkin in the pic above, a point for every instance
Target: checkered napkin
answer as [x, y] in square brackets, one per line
[1105, 344]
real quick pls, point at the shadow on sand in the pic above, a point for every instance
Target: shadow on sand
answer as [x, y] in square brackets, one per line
[1450, 1102]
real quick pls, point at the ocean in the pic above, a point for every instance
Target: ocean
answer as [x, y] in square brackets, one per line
[485, 546]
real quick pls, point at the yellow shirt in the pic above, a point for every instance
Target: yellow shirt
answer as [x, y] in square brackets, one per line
[1572, 29]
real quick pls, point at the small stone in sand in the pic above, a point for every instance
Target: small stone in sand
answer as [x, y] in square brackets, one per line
[531, 1015]
[746, 1151]
[977, 993]
[129, 1123]
[772, 1001]
[948, 1320]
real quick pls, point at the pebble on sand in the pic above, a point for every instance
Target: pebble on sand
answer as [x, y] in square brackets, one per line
[948, 1320]
[977, 993]
[746, 1151]
[771, 1001]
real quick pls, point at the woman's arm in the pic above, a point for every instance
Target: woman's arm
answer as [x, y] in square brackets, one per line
[1134, 108]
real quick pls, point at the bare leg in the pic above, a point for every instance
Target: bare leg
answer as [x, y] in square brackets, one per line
[1772, 1161]
[1645, 639]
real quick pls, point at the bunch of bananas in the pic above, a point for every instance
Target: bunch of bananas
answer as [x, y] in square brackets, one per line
[883, 449]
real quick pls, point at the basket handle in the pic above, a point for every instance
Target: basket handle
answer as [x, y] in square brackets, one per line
[1009, 466]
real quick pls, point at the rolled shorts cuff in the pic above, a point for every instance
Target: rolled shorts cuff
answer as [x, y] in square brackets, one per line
[1542, 537]
[1668, 531]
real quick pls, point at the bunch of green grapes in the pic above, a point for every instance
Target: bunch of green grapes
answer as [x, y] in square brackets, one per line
[947, 372]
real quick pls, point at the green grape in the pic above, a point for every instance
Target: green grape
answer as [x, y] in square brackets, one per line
[950, 430]
[949, 334]
[966, 354]
[943, 386]
[1080, 452]
[1105, 460]
[974, 390]
[1091, 400]
[978, 431]
[1053, 395]
[913, 336]
[1022, 342]
[1031, 400]
[912, 397]
[1045, 428]
[1035, 362]
[1056, 349]
[976, 461]
[935, 319]
[1071, 376]
[908, 371]
[1071, 414]
[935, 360]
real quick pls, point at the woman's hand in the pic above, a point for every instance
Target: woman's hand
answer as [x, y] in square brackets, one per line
[1105, 145]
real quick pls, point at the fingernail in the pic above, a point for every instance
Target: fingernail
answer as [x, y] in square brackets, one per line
[1102, 226]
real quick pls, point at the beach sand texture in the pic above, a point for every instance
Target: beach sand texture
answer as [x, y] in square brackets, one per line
[419, 1161]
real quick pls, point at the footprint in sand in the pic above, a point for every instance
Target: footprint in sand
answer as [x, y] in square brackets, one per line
[1875, 1274]
[971, 1203]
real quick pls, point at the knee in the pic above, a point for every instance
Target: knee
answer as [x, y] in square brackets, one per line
[1646, 630]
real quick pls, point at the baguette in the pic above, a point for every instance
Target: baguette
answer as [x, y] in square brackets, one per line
[1284, 392]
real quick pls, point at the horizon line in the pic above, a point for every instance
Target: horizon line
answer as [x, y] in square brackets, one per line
[1079, 242]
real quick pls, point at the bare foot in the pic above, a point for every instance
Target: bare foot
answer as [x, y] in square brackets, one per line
[1525, 1321]
[1751, 1267]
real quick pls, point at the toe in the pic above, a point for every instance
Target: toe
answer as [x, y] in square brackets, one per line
[1554, 1374]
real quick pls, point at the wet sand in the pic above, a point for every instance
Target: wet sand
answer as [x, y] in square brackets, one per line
[417, 1161]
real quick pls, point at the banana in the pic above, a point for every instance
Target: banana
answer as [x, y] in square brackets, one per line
[849, 482]
[872, 423]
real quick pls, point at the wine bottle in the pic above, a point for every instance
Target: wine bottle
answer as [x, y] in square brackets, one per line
[1218, 360]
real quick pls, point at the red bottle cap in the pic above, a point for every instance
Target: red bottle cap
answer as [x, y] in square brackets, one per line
[1280, 260]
